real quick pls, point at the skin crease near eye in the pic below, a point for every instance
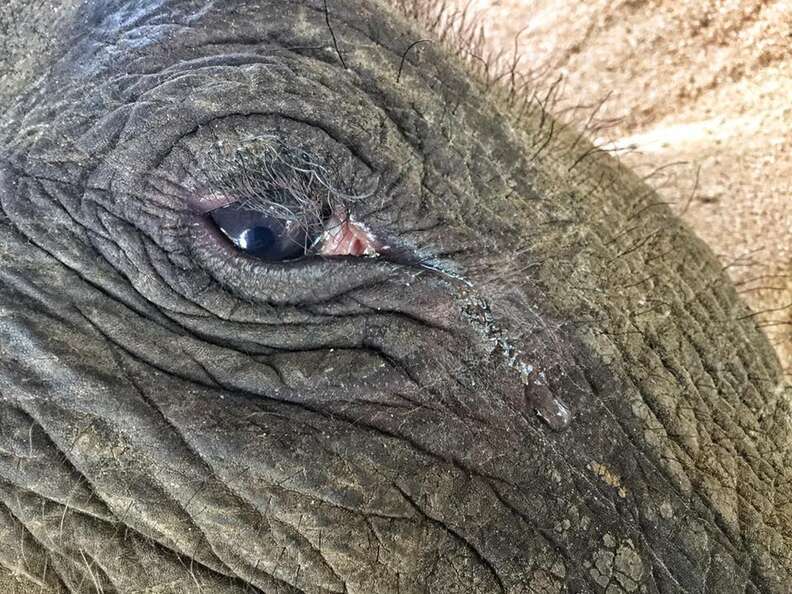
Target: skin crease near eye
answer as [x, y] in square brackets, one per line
[348, 238]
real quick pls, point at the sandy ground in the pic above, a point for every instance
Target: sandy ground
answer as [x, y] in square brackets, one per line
[705, 82]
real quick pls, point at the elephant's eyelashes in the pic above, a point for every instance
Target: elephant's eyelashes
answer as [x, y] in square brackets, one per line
[278, 201]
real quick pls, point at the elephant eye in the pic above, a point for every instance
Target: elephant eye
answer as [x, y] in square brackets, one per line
[262, 235]
[277, 238]
[278, 202]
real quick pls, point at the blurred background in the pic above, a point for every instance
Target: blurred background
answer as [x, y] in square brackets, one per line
[702, 86]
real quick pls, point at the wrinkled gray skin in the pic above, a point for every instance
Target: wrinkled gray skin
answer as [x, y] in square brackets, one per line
[177, 417]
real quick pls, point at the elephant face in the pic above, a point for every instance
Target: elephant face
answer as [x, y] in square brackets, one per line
[291, 303]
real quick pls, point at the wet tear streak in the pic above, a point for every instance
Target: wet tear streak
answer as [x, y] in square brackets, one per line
[539, 396]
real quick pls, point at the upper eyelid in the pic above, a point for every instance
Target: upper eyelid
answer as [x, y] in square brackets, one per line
[272, 162]
[206, 203]
[291, 183]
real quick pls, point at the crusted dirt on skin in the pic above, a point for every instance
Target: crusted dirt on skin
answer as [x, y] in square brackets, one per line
[607, 475]
[705, 83]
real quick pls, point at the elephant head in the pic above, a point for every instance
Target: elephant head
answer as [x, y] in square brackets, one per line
[290, 302]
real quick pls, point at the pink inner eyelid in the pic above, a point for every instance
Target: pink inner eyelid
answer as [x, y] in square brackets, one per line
[346, 237]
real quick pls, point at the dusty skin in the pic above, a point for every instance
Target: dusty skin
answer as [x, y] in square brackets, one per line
[702, 85]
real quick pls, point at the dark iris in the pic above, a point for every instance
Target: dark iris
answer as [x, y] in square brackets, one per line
[261, 235]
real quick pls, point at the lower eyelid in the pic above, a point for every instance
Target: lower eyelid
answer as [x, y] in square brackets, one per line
[312, 279]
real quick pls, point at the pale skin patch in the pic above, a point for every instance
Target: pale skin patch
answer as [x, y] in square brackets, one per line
[609, 477]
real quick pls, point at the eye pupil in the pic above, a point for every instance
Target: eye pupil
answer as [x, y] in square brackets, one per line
[257, 241]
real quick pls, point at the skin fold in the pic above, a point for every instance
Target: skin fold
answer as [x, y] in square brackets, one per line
[546, 383]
